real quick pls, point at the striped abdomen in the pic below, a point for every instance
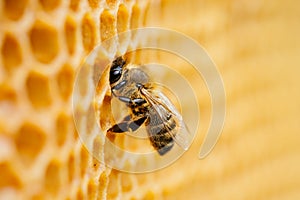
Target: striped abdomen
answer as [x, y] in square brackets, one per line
[158, 129]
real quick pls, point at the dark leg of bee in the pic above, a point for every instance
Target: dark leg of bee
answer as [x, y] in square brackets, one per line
[137, 123]
[127, 124]
[120, 85]
[137, 101]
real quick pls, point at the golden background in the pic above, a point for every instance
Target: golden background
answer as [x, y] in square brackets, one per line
[255, 45]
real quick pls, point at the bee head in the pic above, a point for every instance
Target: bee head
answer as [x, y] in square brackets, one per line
[116, 69]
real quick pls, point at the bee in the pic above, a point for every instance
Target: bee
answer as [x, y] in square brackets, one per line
[147, 106]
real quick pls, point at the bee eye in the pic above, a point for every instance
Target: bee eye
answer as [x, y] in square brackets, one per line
[116, 70]
[115, 75]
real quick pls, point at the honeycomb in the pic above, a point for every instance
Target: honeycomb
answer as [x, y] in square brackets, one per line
[43, 43]
[256, 47]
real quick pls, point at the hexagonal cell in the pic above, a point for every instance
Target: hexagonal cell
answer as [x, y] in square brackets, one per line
[80, 195]
[141, 178]
[14, 9]
[44, 41]
[92, 189]
[38, 89]
[103, 182]
[91, 120]
[70, 34]
[9, 177]
[106, 113]
[71, 167]
[126, 182]
[150, 195]
[135, 17]
[113, 185]
[146, 14]
[107, 25]
[97, 150]
[122, 19]
[84, 160]
[74, 4]
[11, 52]
[83, 80]
[64, 79]
[111, 2]
[49, 5]
[38, 196]
[94, 3]
[29, 140]
[62, 128]
[7, 93]
[88, 31]
[53, 179]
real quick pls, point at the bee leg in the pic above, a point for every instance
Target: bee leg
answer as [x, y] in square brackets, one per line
[127, 125]
[126, 100]
[137, 123]
[137, 101]
[119, 128]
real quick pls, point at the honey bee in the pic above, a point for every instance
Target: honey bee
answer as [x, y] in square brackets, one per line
[148, 106]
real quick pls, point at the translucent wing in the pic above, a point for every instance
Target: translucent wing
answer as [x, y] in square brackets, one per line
[161, 105]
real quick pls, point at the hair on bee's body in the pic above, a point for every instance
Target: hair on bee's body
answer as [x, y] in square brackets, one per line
[131, 85]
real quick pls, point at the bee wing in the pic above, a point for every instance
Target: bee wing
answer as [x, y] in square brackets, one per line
[161, 105]
[183, 137]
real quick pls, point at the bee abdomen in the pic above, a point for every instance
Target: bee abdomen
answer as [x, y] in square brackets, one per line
[162, 142]
[159, 137]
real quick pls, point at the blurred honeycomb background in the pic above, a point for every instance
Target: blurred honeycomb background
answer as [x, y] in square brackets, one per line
[256, 47]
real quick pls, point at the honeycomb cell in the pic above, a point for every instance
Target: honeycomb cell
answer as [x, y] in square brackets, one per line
[49, 5]
[64, 79]
[92, 189]
[80, 195]
[71, 167]
[29, 141]
[149, 195]
[105, 114]
[84, 160]
[107, 25]
[88, 31]
[38, 90]
[97, 146]
[135, 17]
[141, 178]
[90, 122]
[83, 77]
[146, 14]
[122, 19]
[53, 182]
[70, 34]
[11, 52]
[15, 9]
[111, 3]
[126, 182]
[44, 42]
[37, 197]
[62, 128]
[9, 177]
[113, 183]
[103, 182]
[94, 3]
[7, 93]
[74, 4]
